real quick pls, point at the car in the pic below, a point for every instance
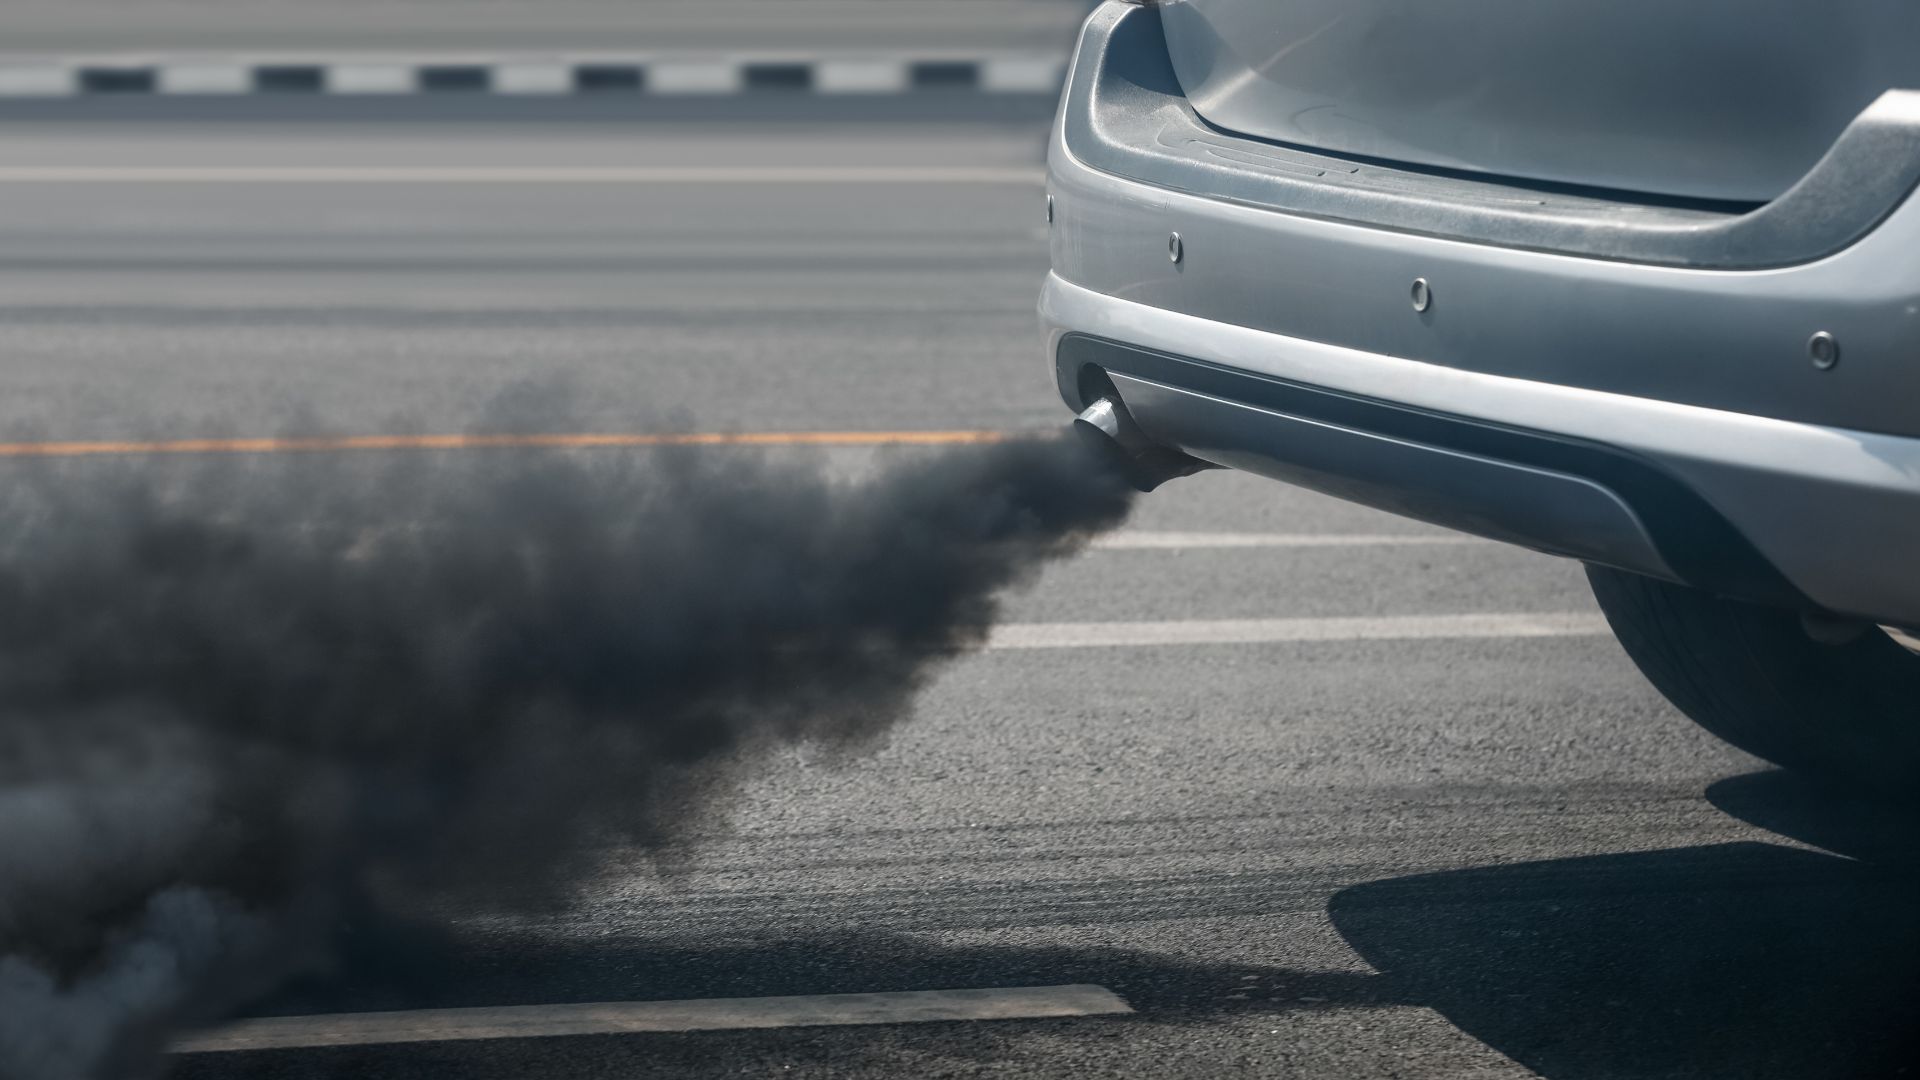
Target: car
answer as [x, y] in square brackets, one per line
[1633, 283]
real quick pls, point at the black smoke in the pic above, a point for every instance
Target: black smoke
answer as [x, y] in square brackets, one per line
[244, 701]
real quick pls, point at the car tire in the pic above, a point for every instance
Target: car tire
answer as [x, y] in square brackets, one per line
[1835, 702]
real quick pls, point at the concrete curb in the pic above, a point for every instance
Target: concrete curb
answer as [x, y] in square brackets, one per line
[532, 76]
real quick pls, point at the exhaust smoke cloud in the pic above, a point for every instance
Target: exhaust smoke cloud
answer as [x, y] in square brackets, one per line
[243, 701]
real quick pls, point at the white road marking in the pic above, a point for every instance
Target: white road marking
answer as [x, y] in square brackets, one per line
[1336, 628]
[1149, 540]
[532, 77]
[38, 82]
[205, 79]
[860, 76]
[482, 174]
[371, 79]
[1022, 74]
[693, 77]
[623, 1017]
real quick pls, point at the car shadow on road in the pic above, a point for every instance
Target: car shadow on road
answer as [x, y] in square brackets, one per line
[1741, 959]
[402, 968]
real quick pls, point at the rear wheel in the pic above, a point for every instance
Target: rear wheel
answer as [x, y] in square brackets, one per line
[1838, 703]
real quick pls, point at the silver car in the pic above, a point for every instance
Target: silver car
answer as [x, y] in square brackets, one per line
[1635, 282]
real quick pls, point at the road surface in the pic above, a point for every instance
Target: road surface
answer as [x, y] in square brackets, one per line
[1354, 834]
[369, 27]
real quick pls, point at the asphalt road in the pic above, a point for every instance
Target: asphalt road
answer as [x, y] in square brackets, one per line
[1423, 856]
[297, 27]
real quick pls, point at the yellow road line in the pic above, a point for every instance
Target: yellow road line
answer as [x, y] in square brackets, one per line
[480, 442]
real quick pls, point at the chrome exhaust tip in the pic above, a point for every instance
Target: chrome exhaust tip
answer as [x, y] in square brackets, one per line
[1112, 432]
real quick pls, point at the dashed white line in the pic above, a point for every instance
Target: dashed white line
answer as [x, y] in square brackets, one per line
[1149, 540]
[371, 79]
[1028, 75]
[860, 77]
[1259, 631]
[32, 82]
[628, 1017]
[694, 77]
[1023, 72]
[533, 78]
[208, 78]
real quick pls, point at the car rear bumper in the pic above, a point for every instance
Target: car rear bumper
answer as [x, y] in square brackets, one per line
[1661, 418]
[1768, 510]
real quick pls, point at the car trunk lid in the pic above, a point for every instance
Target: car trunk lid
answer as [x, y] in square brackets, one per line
[1707, 99]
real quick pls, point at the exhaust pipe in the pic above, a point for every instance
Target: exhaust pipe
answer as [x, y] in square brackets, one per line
[1116, 436]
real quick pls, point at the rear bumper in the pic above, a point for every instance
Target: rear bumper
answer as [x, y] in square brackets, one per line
[1660, 418]
[1766, 510]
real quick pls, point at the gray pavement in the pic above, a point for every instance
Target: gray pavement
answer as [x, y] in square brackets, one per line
[1442, 857]
[303, 28]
